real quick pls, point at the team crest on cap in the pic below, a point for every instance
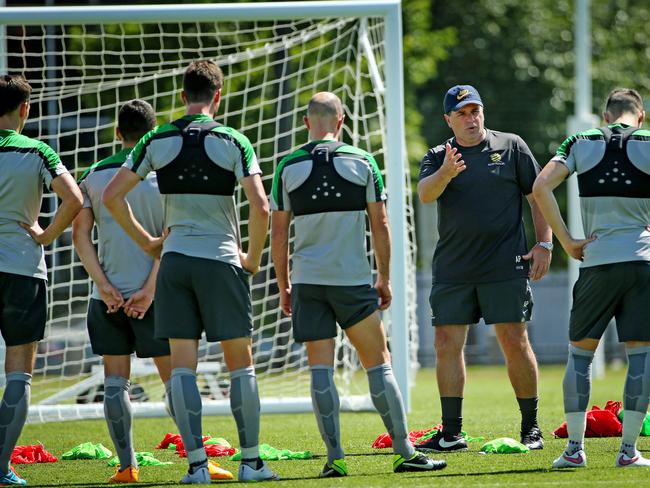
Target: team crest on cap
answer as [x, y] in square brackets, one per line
[462, 94]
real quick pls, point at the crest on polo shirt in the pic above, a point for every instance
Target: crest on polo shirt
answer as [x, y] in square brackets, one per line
[495, 160]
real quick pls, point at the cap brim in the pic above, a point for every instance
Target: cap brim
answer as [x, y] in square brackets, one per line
[461, 104]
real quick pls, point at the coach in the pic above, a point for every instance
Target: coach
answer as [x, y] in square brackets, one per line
[482, 265]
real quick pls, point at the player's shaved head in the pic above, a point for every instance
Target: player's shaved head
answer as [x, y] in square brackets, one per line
[325, 105]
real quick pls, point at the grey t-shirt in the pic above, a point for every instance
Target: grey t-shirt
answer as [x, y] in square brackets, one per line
[614, 196]
[480, 222]
[328, 199]
[25, 166]
[125, 264]
[203, 225]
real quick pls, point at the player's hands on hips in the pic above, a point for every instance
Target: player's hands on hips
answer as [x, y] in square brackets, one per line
[384, 291]
[37, 233]
[137, 305]
[247, 263]
[285, 300]
[154, 247]
[452, 165]
[576, 247]
[541, 261]
[111, 297]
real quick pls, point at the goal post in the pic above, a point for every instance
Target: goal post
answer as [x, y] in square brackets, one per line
[275, 55]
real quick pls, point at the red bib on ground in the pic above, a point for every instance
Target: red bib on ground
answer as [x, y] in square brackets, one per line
[31, 454]
[600, 422]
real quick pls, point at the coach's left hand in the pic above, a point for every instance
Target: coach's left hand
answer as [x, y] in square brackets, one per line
[137, 305]
[541, 261]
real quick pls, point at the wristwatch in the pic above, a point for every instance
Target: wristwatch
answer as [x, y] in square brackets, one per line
[546, 245]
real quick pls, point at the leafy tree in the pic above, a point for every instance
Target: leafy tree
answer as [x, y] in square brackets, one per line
[520, 56]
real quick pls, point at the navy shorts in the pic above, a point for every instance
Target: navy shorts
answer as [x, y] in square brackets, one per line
[316, 309]
[117, 334]
[197, 294]
[499, 302]
[23, 308]
[617, 290]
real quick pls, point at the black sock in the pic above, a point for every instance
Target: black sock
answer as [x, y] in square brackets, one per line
[452, 415]
[197, 465]
[528, 408]
[253, 463]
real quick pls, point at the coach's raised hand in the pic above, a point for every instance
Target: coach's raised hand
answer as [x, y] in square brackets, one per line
[434, 182]
[453, 163]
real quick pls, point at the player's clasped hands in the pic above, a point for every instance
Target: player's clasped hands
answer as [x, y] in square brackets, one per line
[138, 304]
[111, 297]
[453, 164]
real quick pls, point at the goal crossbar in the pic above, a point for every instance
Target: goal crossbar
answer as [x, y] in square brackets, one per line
[192, 12]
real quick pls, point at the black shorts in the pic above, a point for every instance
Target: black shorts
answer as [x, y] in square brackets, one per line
[117, 334]
[498, 302]
[196, 294]
[317, 308]
[618, 290]
[23, 308]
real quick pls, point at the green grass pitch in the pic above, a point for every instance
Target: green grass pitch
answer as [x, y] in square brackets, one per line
[490, 411]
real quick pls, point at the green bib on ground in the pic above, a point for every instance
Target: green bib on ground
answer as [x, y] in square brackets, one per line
[504, 445]
[269, 453]
[87, 450]
[433, 432]
[219, 441]
[143, 459]
[645, 428]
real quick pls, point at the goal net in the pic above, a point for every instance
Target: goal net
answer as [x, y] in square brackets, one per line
[83, 70]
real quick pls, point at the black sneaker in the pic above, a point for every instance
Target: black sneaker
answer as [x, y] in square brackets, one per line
[337, 469]
[532, 438]
[443, 443]
[419, 462]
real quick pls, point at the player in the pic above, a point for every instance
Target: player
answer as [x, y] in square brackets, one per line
[613, 168]
[203, 281]
[25, 166]
[120, 311]
[328, 187]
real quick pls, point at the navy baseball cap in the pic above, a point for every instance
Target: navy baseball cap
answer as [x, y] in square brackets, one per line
[460, 95]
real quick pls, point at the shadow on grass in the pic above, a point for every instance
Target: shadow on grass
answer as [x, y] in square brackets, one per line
[442, 474]
[508, 471]
[382, 452]
[94, 484]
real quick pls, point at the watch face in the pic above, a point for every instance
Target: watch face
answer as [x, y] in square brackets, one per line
[546, 245]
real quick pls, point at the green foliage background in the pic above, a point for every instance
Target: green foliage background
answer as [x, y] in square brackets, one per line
[520, 56]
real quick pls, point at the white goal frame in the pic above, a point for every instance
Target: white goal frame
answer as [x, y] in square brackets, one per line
[395, 161]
